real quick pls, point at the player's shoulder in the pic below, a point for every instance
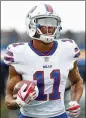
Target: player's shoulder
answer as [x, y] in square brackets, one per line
[69, 47]
[15, 46]
[14, 52]
[18, 47]
[66, 40]
[68, 43]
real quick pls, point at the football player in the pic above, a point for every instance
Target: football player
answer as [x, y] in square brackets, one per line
[49, 62]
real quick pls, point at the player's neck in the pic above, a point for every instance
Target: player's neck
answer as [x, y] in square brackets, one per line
[42, 47]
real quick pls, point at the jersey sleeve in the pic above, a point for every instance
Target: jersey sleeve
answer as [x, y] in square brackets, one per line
[75, 53]
[71, 52]
[11, 57]
[76, 50]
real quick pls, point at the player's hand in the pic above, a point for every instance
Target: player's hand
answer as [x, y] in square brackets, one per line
[26, 96]
[74, 109]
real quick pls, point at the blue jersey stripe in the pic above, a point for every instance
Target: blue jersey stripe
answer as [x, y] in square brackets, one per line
[9, 53]
[10, 59]
[77, 55]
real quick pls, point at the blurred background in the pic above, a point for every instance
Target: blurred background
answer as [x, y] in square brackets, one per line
[13, 30]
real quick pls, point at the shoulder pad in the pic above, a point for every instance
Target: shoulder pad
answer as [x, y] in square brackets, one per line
[9, 57]
[67, 40]
[72, 46]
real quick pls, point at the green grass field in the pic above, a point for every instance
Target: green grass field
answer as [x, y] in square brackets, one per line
[5, 113]
[4, 110]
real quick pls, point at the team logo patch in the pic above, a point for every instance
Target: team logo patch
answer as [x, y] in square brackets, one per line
[47, 66]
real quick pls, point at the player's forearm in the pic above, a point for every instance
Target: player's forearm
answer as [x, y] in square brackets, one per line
[77, 90]
[10, 103]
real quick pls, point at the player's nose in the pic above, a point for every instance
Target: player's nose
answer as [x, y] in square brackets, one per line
[49, 30]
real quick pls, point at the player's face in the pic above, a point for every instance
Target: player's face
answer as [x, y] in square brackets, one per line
[47, 25]
[48, 30]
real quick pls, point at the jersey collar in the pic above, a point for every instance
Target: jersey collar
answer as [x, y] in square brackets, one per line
[50, 52]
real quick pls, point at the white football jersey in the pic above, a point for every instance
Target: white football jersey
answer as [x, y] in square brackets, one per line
[49, 70]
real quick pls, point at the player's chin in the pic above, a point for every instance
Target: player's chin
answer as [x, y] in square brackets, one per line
[46, 43]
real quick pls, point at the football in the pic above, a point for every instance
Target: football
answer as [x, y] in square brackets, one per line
[20, 84]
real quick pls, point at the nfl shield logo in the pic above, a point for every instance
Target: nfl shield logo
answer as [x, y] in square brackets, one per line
[46, 59]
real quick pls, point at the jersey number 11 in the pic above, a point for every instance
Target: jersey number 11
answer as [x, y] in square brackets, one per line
[55, 75]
